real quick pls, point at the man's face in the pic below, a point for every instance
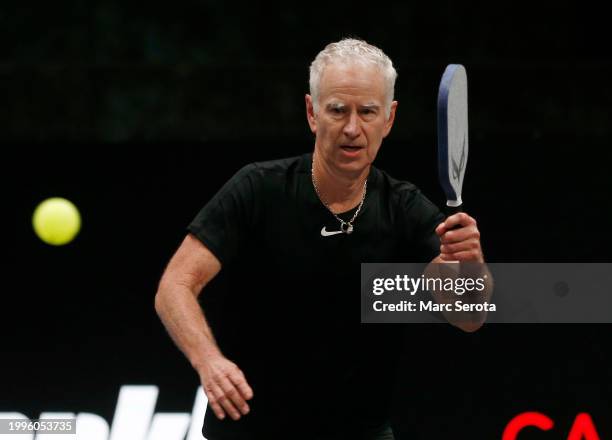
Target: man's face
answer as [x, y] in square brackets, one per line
[351, 120]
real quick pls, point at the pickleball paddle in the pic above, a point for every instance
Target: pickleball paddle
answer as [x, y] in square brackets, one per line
[452, 134]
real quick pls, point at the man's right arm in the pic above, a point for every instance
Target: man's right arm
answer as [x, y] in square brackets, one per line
[189, 270]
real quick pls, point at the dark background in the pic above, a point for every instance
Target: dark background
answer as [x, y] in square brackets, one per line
[138, 113]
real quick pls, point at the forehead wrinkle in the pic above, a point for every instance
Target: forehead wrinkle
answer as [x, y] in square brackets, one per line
[351, 93]
[352, 90]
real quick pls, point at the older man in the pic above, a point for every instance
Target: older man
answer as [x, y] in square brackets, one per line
[289, 357]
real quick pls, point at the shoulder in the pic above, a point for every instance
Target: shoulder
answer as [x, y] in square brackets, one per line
[256, 172]
[397, 190]
[270, 174]
[282, 167]
[404, 197]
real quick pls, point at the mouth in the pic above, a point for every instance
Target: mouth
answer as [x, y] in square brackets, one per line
[351, 148]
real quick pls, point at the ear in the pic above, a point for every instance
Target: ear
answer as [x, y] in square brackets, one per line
[310, 115]
[390, 119]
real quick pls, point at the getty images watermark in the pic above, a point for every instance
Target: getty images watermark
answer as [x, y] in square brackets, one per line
[501, 292]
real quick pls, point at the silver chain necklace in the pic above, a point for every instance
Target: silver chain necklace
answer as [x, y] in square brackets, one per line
[346, 227]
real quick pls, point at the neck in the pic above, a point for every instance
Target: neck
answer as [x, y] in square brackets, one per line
[341, 191]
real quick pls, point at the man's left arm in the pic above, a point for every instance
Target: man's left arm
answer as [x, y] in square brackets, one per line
[460, 248]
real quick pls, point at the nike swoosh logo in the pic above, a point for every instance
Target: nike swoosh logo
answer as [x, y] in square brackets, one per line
[326, 233]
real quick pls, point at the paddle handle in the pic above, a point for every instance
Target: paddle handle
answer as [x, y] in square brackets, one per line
[450, 210]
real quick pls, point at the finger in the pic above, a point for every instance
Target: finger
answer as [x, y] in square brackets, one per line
[440, 229]
[461, 234]
[472, 255]
[447, 257]
[465, 245]
[240, 382]
[235, 397]
[226, 396]
[459, 219]
[212, 393]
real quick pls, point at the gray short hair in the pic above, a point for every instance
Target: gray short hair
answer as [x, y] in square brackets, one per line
[351, 50]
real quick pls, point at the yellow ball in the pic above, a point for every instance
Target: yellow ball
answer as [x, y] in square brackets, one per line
[56, 221]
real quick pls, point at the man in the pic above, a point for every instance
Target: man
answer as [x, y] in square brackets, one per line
[289, 358]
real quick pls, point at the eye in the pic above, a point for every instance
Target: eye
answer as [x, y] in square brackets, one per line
[368, 112]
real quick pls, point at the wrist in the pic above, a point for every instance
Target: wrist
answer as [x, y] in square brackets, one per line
[205, 357]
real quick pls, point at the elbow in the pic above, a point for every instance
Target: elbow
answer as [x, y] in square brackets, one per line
[467, 322]
[472, 323]
[160, 301]
[168, 292]
[157, 303]
[470, 327]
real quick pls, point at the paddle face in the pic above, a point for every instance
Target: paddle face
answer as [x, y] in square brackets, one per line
[452, 132]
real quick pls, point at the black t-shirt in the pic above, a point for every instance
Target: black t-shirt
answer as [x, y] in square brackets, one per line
[291, 315]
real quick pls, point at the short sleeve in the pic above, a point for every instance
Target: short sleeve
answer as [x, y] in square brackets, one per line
[421, 217]
[224, 223]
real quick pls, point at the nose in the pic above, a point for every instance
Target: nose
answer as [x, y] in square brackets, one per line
[351, 128]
